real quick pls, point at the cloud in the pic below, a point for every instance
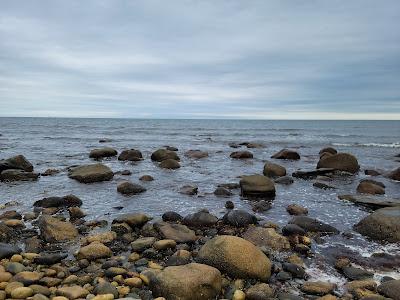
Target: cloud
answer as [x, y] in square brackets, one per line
[208, 59]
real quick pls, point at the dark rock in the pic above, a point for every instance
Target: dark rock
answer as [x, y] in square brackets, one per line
[177, 232]
[91, 173]
[8, 250]
[390, 289]
[353, 273]
[293, 229]
[229, 205]
[261, 206]
[257, 186]
[196, 154]
[163, 154]
[328, 150]
[49, 258]
[371, 172]
[323, 185]
[287, 296]
[17, 162]
[295, 270]
[171, 148]
[170, 164]
[229, 186]
[102, 152]
[188, 190]
[18, 175]
[371, 187]
[310, 174]
[106, 288]
[284, 180]
[296, 210]
[273, 170]
[241, 155]
[146, 178]
[222, 192]
[371, 201]
[50, 172]
[283, 276]
[130, 155]
[66, 201]
[129, 188]
[171, 216]
[341, 161]
[200, 219]
[313, 225]
[395, 174]
[286, 154]
[239, 218]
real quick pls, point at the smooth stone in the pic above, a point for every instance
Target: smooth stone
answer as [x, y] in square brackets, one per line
[164, 244]
[241, 155]
[313, 225]
[164, 154]
[94, 251]
[146, 178]
[354, 273]
[222, 192]
[16, 162]
[273, 170]
[129, 188]
[177, 232]
[133, 219]
[318, 288]
[27, 277]
[141, 244]
[296, 210]
[390, 289]
[54, 230]
[239, 218]
[371, 201]
[266, 237]
[196, 154]
[372, 188]
[130, 155]
[286, 180]
[105, 288]
[395, 174]
[200, 219]
[8, 250]
[296, 270]
[91, 173]
[72, 292]
[18, 175]
[340, 161]
[286, 154]
[171, 216]
[170, 164]
[21, 293]
[257, 186]
[259, 291]
[49, 258]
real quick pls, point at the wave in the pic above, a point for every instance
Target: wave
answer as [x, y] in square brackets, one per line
[391, 145]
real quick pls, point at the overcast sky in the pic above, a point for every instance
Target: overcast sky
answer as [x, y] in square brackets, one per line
[200, 59]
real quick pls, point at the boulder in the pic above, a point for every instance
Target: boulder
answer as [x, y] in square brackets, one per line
[313, 225]
[260, 291]
[188, 282]
[286, 154]
[381, 225]
[66, 201]
[16, 162]
[266, 237]
[236, 257]
[18, 175]
[239, 218]
[130, 155]
[371, 201]
[395, 174]
[274, 170]
[370, 187]
[257, 186]
[196, 154]
[390, 289]
[163, 154]
[54, 230]
[170, 164]
[93, 251]
[241, 155]
[200, 219]
[171, 216]
[189, 190]
[340, 161]
[129, 188]
[91, 173]
[318, 288]
[102, 152]
[296, 210]
[8, 250]
[222, 192]
[310, 174]
[177, 232]
[133, 219]
[286, 180]
[330, 150]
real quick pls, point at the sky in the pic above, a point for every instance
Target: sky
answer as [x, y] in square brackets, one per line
[200, 59]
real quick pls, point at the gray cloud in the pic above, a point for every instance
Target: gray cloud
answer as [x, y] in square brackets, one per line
[258, 59]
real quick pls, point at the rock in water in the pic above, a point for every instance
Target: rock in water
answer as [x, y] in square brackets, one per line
[341, 161]
[196, 154]
[328, 150]
[257, 186]
[8, 250]
[16, 162]
[130, 155]
[188, 282]
[239, 218]
[170, 164]
[390, 289]
[371, 201]
[370, 187]
[273, 170]
[395, 174]
[310, 174]
[313, 225]
[241, 155]
[18, 175]
[381, 225]
[236, 257]
[163, 154]
[91, 173]
[200, 219]
[102, 152]
[189, 190]
[54, 230]
[286, 154]
[129, 188]
[266, 237]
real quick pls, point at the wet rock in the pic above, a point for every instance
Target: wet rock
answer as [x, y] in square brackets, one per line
[171, 216]
[261, 206]
[171, 148]
[390, 289]
[313, 225]
[371, 201]
[296, 270]
[50, 172]
[372, 172]
[10, 214]
[266, 237]
[146, 178]
[189, 190]
[330, 150]
[310, 174]
[196, 154]
[91, 173]
[283, 276]
[254, 145]
[286, 154]
[395, 174]
[177, 232]
[72, 292]
[130, 155]
[164, 244]
[371, 187]
[94, 251]
[273, 170]
[323, 185]
[133, 219]
[54, 230]
[229, 205]
[239, 218]
[21, 293]
[76, 213]
[66, 201]
[189, 282]
[284, 180]
[260, 291]
[129, 188]
[17, 162]
[381, 225]
[15, 267]
[354, 273]
[103, 237]
[257, 186]
[293, 229]
[104, 288]
[318, 288]
[236, 257]
[229, 186]
[17, 175]
[170, 164]
[241, 155]
[164, 154]
[200, 219]
[49, 258]
[102, 152]
[222, 192]
[340, 161]
[296, 210]
[27, 277]
[141, 244]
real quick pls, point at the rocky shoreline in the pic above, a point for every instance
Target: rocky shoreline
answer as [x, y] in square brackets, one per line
[53, 252]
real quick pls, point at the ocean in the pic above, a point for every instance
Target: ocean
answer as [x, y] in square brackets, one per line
[61, 142]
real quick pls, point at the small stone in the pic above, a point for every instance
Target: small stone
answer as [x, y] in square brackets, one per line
[146, 178]
[72, 292]
[21, 293]
[164, 244]
[94, 251]
[318, 288]
[129, 188]
[102, 297]
[239, 295]
[143, 243]
[297, 210]
[133, 282]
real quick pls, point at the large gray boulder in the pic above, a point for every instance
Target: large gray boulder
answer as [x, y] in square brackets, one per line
[91, 173]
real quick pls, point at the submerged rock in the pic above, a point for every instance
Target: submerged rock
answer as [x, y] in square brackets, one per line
[170, 164]
[371, 201]
[91, 173]
[102, 152]
[236, 257]
[163, 154]
[188, 282]
[286, 154]
[284, 180]
[196, 154]
[381, 225]
[310, 174]
[18, 175]
[130, 155]
[189, 190]
[16, 162]
[129, 188]
[241, 155]
[313, 225]
[340, 161]
[257, 186]
[66, 201]
[274, 170]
